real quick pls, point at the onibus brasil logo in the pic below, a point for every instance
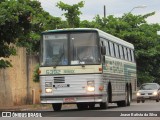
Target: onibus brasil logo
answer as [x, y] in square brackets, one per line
[21, 114]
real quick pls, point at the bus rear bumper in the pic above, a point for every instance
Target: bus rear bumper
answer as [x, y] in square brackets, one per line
[72, 99]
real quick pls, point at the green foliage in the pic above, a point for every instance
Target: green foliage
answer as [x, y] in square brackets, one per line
[14, 24]
[135, 29]
[5, 63]
[21, 22]
[73, 12]
[35, 74]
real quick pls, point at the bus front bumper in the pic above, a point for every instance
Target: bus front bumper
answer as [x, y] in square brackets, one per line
[73, 99]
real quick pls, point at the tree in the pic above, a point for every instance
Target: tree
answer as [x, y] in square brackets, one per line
[73, 12]
[14, 24]
[145, 39]
[40, 20]
[21, 24]
[135, 29]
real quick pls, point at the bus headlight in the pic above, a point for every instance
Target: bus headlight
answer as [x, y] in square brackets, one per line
[90, 86]
[155, 93]
[48, 90]
[48, 84]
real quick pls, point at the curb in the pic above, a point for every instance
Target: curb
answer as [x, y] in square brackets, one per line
[32, 107]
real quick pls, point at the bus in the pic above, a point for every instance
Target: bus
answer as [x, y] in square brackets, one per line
[86, 66]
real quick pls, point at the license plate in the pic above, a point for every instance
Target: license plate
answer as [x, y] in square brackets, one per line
[69, 100]
[61, 85]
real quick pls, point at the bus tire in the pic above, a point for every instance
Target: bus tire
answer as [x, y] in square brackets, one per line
[138, 101]
[82, 106]
[104, 105]
[57, 106]
[91, 106]
[143, 101]
[121, 103]
[128, 97]
[109, 91]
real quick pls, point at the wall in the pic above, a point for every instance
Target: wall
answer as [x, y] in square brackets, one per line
[16, 83]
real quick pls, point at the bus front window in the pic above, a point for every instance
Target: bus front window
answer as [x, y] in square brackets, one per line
[74, 48]
[55, 50]
[84, 48]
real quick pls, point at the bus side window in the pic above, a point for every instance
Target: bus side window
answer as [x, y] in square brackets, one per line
[129, 55]
[107, 48]
[103, 42]
[106, 44]
[121, 52]
[111, 48]
[132, 54]
[125, 53]
[116, 50]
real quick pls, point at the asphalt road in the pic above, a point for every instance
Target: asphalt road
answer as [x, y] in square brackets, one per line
[137, 111]
[148, 109]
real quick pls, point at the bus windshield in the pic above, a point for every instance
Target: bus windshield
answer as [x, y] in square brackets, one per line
[70, 49]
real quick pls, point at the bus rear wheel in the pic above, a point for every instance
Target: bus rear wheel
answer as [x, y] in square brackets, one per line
[57, 106]
[128, 98]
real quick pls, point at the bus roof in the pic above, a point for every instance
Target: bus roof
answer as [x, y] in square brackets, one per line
[114, 39]
[70, 29]
[100, 32]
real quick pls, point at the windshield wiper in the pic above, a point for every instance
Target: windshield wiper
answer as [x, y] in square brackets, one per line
[58, 60]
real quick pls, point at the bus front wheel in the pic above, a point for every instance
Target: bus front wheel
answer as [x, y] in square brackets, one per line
[91, 106]
[82, 106]
[104, 105]
[57, 106]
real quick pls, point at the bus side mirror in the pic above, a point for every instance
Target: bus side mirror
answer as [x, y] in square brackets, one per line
[103, 50]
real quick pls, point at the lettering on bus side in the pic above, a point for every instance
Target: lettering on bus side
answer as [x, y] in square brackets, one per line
[53, 71]
[69, 71]
[113, 66]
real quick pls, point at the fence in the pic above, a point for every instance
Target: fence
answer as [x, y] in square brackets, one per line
[16, 83]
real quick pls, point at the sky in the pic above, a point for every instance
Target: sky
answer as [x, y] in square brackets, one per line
[113, 7]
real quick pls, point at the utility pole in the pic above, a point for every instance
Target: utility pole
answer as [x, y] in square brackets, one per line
[104, 11]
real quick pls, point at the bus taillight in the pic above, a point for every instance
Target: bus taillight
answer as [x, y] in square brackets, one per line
[100, 69]
[101, 88]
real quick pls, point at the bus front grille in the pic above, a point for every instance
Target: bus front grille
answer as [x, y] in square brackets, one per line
[59, 80]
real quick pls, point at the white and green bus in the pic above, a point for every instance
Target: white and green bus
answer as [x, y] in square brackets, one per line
[86, 66]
